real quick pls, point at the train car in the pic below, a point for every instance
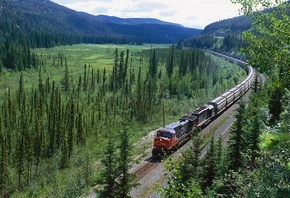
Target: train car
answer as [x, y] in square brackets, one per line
[219, 104]
[172, 136]
[204, 115]
[230, 97]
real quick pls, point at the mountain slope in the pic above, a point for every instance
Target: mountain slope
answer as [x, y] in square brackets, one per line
[47, 16]
[134, 21]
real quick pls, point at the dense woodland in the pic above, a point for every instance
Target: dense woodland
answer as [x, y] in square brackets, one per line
[72, 131]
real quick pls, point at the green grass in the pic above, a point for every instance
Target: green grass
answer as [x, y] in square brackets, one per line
[97, 56]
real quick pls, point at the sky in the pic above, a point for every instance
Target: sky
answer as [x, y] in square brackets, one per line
[189, 13]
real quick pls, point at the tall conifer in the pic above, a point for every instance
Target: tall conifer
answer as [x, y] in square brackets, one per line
[4, 177]
[109, 174]
[236, 140]
[124, 185]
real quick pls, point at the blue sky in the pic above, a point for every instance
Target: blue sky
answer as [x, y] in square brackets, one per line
[189, 13]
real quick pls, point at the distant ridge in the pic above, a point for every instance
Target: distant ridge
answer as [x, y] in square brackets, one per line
[46, 16]
[134, 21]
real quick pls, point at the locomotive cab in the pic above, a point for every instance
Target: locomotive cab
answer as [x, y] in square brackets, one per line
[164, 141]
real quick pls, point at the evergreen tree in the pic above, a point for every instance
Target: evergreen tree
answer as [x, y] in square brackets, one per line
[39, 140]
[40, 83]
[219, 156]
[71, 127]
[85, 79]
[196, 141]
[209, 166]
[121, 69]
[256, 121]
[66, 80]
[170, 62]
[20, 161]
[182, 64]
[93, 81]
[275, 106]
[64, 163]
[153, 64]
[115, 74]
[126, 65]
[21, 92]
[4, 176]
[236, 140]
[80, 136]
[124, 185]
[109, 174]
[193, 61]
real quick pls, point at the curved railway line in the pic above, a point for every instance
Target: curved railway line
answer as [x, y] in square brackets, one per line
[151, 163]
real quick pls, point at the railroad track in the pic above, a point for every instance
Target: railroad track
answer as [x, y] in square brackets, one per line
[145, 169]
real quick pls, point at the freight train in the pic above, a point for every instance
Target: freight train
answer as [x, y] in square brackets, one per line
[177, 133]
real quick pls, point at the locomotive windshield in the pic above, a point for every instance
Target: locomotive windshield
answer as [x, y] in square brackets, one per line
[164, 134]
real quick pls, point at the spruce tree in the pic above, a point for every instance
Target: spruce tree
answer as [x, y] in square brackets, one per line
[236, 140]
[209, 166]
[85, 85]
[66, 79]
[153, 63]
[20, 160]
[124, 185]
[170, 62]
[80, 136]
[196, 141]
[71, 127]
[121, 69]
[108, 176]
[256, 118]
[4, 177]
[64, 162]
[21, 92]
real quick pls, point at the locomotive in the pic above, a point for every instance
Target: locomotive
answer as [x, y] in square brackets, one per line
[175, 134]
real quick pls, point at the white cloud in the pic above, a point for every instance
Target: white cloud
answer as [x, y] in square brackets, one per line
[197, 13]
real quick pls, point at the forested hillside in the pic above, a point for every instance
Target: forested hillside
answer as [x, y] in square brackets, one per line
[60, 25]
[224, 36]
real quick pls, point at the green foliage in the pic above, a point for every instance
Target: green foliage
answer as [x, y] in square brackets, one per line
[177, 186]
[4, 176]
[109, 173]
[270, 178]
[48, 128]
[237, 140]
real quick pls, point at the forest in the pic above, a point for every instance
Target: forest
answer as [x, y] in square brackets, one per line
[60, 114]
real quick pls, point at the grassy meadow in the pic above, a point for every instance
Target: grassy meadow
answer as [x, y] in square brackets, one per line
[97, 56]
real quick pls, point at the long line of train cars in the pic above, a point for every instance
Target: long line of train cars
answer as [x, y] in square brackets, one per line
[175, 134]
